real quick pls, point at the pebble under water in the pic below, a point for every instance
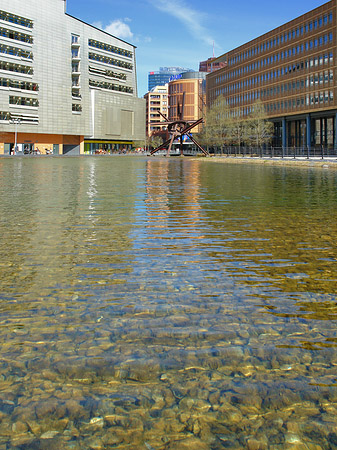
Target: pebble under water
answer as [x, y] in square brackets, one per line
[167, 304]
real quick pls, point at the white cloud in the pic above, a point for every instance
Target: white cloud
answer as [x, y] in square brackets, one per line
[191, 18]
[119, 29]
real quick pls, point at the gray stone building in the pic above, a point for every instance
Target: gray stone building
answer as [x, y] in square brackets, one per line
[65, 86]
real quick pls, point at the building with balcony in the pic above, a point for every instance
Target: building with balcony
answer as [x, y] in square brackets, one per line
[156, 103]
[65, 86]
[292, 70]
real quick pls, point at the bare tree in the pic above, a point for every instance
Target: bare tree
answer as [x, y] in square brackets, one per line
[237, 127]
[257, 130]
[216, 131]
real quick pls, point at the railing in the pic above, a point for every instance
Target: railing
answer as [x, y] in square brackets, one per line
[263, 152]
[277, 152]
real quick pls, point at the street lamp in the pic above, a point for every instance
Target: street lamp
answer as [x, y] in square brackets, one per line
[16, 122]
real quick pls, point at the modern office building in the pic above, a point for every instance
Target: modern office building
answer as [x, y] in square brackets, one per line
[292, 70]
[193, 85]
[164, 75]
[156, 103]
[65, 86]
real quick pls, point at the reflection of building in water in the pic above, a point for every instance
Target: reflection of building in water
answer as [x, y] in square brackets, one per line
[157, 193]
[70, 222]
[192, 191]
[276, 234]
[173, 190]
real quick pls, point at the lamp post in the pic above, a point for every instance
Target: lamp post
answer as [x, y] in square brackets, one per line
[16, 122]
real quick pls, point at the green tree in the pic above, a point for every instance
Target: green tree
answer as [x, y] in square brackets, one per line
[155, 141]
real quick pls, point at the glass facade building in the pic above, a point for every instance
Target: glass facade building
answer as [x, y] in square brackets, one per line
[164, 75]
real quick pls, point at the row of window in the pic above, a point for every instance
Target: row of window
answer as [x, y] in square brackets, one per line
[111, 61]
[319, 77]
[107, 73]
[14, 51]
[274, 74]
[255, 95]
[110, 86]
[75, 68]
[282, 38]
[257, 65]
[109, 48]
[24, 101]
[325, 97]
[12, 18]
[19, 68]
[16, 35]
[313, 80]
[27, 86]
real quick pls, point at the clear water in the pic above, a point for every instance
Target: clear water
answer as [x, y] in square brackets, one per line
[167, 304]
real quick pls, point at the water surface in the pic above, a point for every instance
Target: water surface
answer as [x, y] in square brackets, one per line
[164, 304]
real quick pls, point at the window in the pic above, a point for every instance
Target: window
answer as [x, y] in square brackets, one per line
[112, 61]
[15, 84]
[76, 107]
[75, 67]
[112, 49]
[8, 17]
[14, 51]
[113, 87]
[23, 101]
[16, 68]
[5, 115]
[16, 35]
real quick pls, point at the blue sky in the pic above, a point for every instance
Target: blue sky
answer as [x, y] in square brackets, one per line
[182, 32]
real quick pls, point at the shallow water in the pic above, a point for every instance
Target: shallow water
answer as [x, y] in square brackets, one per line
[167, 304]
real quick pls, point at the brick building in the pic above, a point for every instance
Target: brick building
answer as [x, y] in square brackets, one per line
[193, 84]
[292, 70]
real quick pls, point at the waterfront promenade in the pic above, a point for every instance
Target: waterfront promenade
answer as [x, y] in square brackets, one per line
[325, 163]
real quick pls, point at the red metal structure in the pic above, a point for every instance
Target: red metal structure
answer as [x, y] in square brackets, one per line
[179, 129]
